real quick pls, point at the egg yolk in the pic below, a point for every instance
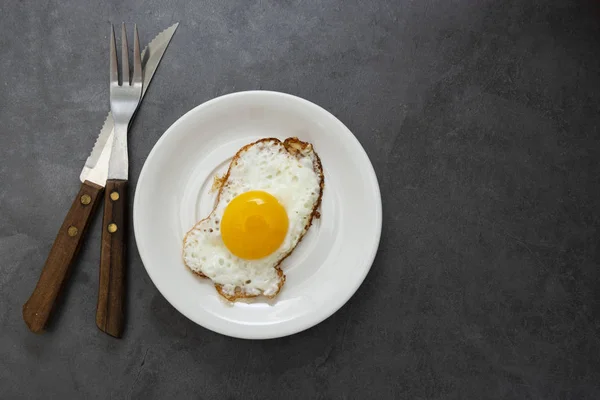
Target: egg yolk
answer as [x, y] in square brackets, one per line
[254, 225]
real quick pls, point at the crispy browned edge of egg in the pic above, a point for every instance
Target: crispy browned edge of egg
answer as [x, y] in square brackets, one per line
[294, 146]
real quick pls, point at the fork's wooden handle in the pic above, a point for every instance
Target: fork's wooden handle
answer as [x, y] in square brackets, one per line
[111, 291]
[37, 310]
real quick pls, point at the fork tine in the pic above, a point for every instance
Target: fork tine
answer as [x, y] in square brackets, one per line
[114, 72]
[124, 56]
[137, 59]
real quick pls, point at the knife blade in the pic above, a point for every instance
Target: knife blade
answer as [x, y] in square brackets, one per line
[96, 166]
[39, 306]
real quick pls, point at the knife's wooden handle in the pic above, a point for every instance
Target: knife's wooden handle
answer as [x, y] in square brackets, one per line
[111, 291]
[37, 310]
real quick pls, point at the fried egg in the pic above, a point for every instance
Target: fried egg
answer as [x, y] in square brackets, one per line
[265, 204]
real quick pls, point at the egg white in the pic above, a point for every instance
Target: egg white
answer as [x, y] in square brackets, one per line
[266, 166]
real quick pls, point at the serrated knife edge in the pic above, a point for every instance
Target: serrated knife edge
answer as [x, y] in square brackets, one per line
[94, 170]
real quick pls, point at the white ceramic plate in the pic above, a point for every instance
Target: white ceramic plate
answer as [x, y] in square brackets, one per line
[172, 194]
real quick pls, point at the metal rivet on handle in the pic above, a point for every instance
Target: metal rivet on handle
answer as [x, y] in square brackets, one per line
[72, 231]
[112, 228]
[114, 196]
[86, 199]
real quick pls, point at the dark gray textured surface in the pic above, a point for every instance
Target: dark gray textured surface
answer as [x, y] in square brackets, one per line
[481, 119]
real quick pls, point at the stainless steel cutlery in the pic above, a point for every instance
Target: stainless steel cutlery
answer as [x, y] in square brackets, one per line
[105, 168]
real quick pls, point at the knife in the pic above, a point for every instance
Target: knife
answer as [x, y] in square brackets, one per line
[37, 310]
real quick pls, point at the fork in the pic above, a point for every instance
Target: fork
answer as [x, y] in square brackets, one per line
[124, 100]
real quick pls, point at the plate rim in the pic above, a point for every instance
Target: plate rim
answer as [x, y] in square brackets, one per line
[280, 331]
